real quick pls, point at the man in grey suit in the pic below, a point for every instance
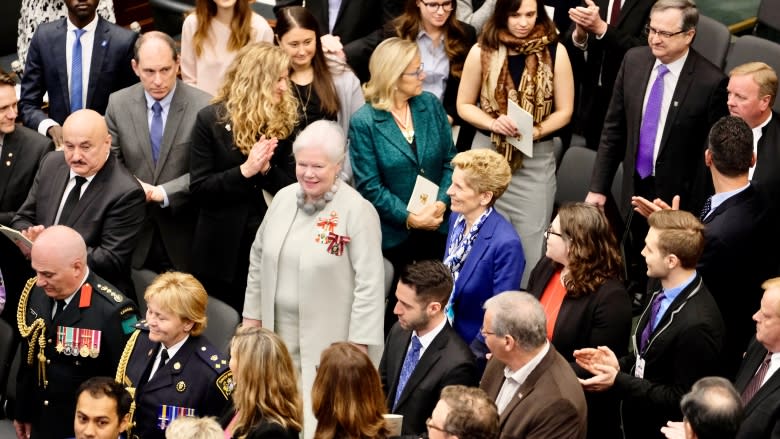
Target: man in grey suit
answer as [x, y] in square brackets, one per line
[150, 125]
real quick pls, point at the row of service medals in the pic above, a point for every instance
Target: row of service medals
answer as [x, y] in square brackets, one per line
[78, 341]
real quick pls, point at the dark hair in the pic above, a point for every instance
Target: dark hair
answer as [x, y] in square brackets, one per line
[408, 24]
[155, 35]
[105, 386]
[6, 79]
[713, 408]
[680, 234]
[472, 414]
[731, 146]
[431, 280]
[498, 21]
[322, 81]
[690, 14]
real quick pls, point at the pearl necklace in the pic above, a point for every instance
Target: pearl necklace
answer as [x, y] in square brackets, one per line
[311, 207]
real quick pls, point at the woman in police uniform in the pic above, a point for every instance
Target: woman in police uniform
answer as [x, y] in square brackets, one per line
[169, 367]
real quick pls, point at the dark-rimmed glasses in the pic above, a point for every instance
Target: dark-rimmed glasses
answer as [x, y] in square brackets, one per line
[661, 33]
[433, 6]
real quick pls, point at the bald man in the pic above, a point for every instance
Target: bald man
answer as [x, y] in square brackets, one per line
[74, 324]
[85, 188]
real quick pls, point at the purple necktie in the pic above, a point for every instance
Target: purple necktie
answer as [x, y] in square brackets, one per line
[654, 307]
[755, 383]
[649, 129]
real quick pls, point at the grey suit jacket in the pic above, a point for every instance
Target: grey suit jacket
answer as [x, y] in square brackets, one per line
[128, 123]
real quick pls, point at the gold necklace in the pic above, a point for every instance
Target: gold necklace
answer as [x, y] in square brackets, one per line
[406, 127]
[305, 105]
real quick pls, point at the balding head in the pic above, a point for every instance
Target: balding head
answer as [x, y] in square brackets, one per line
[86, 142]
[712, 409]
[59, 258]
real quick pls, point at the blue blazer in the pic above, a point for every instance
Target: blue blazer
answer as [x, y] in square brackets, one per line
[46, 70]
[385, 168]
[494, 265]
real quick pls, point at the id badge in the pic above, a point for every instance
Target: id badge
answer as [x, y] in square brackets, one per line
[639, 368]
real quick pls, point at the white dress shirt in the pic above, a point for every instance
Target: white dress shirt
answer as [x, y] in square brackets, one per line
[68, 188]
[513, 380]
[171, 353]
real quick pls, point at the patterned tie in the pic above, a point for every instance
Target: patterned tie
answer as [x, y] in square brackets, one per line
[615, 14]
[706, 209]
[649, 129]
[410, 362]
[2, 289]
[755, 383]
[76, 83]
[72, 200]
[654, 307]
[156, 130]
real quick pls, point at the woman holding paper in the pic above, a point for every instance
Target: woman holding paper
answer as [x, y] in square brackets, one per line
[401, 134]
[518, 61]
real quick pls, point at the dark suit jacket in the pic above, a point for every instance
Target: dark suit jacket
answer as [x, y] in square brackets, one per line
[602, 318]
[699, 100]
[762, 413]
[494, 265]
[549, 405]
[127, 119]
[51, 409]
[385, 168]
[685, 346]
[108, 216]
[358, 24]
[767, 172]
[447, 360]
[46, 70]
[197, 377]
[740, 237]
[263, 430]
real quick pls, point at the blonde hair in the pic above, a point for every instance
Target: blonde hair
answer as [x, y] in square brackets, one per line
[266, 381]
[191, 427]
[247, 93]
[180, 294]
[485, 171]
[387, 64]
[764, 75]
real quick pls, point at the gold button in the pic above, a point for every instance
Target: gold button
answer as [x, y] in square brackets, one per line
[48, 361]
[46, 403]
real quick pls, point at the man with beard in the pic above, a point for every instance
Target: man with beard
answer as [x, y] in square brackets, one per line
[423, 354]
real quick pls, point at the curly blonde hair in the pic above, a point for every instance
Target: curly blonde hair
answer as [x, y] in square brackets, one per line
[247, 92]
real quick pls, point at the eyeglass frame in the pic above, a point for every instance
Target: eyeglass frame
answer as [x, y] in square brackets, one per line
[420, 70]
[485, 333]
[549, 232]
[442, 5]
[662, 33]
[429, 425]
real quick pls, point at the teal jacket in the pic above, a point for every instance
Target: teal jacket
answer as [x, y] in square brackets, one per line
[385, 167]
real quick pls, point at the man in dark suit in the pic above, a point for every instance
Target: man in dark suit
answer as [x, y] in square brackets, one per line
[21, 150]
[534, 387]
[678, 338]
[605, 30]
[74, 327]
[757, 380]
[156, 149]
[357, 23]
[84, 187]
[711, 410]
[423, 354]
[79, 60]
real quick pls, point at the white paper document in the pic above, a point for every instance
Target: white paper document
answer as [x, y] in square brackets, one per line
[15, 236]
[423, 195]
[525, 124]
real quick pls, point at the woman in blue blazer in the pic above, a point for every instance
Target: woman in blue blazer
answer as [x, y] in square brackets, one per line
[483, 251]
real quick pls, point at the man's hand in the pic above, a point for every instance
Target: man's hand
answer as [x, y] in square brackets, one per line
[30, 233]
[153, 193]
[588, 17]
[598, 199]
[674, 430]
[603, 378]
[22, 429]
[587, 358]
[645, 207]
[55, 132]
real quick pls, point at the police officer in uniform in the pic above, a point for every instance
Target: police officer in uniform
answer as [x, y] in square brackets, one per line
[73, 326]
[169, 368]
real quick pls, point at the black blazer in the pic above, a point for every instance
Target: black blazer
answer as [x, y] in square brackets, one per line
[599, 319]
[263, 430]
[108, 216]
[699, 100]
[46, 70]
[767, 172]
[684, 347]
[762, 413]
[739, 237]
[447, 360]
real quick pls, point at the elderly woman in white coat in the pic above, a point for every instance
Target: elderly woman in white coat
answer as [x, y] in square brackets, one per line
[316, 270]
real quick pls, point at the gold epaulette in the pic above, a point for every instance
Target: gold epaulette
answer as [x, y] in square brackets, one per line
[35, 333]
[121, 376]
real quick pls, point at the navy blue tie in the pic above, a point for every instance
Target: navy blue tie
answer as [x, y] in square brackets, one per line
[156, 130]
[410, 362]
[76, 82]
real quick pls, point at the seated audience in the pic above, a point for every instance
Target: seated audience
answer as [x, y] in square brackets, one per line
[422, 352]
[319, 229]
[347, 395]
[174, 370]
[579, 284]
[191, 427]
[266, 400]
[102, 409]
[464, 413]
[535, 389]
[240, 148]
[711, 410]
[213, 35]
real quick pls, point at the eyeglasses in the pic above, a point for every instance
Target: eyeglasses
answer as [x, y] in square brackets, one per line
[429, 424]
[485, 333]
[433, 7]
[661, 33]
[549, 232]
[416, 73]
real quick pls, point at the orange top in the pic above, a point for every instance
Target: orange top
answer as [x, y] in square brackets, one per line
[551, 300]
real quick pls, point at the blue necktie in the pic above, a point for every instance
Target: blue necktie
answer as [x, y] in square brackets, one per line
[156, 131]
[76, 84]
[648, 131]
[410, 362]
